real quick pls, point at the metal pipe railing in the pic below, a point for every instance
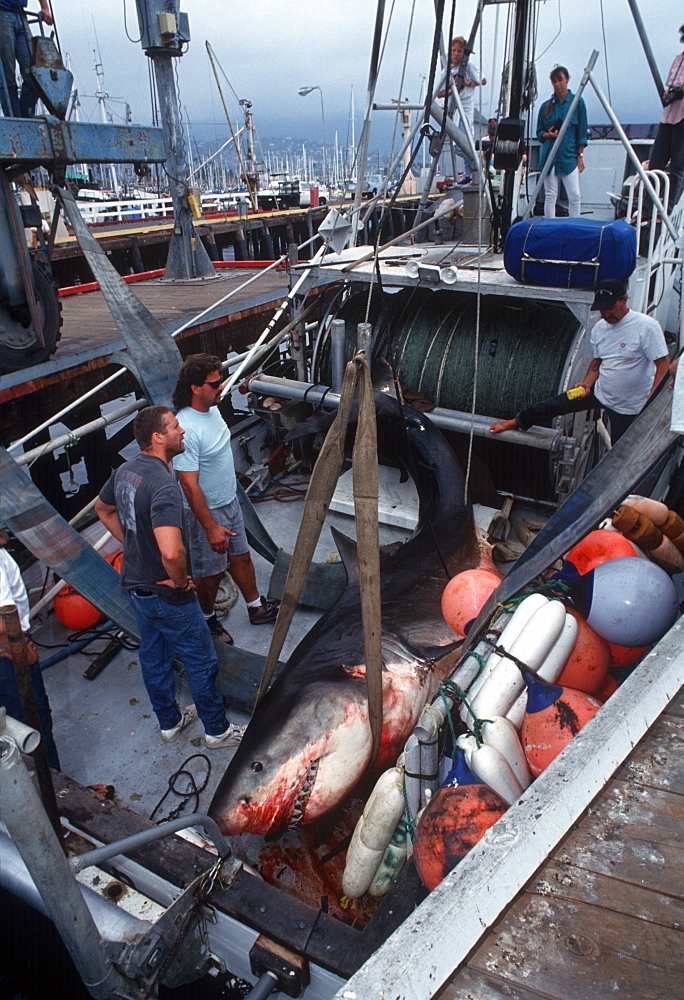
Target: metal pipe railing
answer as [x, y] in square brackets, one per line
[136, 840]
[453, 420]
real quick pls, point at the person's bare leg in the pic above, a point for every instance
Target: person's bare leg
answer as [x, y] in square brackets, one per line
[241, 569]
[504, 425]
[207, 589]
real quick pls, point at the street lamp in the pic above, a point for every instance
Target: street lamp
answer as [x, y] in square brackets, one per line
[303, 91]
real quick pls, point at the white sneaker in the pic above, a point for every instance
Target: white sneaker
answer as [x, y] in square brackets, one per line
[188, 716]
[230, 738]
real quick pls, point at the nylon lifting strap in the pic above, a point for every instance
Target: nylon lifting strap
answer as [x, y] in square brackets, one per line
[321, 488]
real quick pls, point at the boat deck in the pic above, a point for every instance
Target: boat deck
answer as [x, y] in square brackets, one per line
[605, 915]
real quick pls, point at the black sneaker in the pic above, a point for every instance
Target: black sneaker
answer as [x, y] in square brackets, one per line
[268, 612]
[218, 631]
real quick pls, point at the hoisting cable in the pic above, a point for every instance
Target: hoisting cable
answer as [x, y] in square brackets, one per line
[478, 300]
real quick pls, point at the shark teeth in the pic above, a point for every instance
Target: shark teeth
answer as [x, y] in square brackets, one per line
[304, 793]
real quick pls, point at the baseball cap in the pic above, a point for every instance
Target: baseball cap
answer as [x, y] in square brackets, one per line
[607, 293]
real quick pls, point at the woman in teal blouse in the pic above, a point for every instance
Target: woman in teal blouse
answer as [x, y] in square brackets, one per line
[569, 161]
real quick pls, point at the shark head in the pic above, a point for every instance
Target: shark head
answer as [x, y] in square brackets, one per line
[297, 760]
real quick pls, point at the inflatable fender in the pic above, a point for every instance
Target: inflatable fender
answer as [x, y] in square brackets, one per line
[512, 630]
[533, 645]
[373, 833]
[490, 767]
[392, 861]
[551, 668]
[501, 734]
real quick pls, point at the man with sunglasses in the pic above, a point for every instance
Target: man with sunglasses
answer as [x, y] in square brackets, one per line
[214, 527]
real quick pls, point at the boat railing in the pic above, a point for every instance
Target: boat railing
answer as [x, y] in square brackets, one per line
[122, 210]
[655, 242]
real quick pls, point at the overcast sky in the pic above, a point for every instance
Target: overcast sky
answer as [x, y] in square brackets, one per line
[268, 49]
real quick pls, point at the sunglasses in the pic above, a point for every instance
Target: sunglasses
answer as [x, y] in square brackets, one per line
[216, 384]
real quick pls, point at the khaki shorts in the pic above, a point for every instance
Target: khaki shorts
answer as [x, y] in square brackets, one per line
[202, 560]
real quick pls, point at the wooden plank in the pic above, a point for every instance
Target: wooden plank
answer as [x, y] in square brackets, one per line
[676, 706]
[617, 890]
[413, 964]
[472, 985]
[643, 814]
[658, 761]
[582, 951]
[637, 860]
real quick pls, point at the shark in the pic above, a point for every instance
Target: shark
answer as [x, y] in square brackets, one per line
[309, 740]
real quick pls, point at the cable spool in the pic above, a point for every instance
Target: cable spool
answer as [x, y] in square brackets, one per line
[429, 339]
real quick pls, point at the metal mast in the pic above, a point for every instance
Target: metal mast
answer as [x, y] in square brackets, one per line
[164, 31]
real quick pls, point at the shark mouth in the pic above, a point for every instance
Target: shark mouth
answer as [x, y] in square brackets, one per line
[304, 793]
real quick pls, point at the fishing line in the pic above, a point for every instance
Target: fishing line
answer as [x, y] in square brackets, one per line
[560, 29]
[386, 207]
[605, 52]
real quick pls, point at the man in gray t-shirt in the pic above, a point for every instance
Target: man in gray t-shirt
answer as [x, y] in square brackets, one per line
[141, 505]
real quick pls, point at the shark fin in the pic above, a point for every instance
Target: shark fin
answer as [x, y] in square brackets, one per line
[346, 546]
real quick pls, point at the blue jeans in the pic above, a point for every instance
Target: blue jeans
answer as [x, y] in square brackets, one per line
[11, 700]
[15, 44]
[166, 629]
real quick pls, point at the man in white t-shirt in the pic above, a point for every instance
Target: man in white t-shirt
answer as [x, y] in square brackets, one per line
[13, 591]
[630, 359]
[214, 526]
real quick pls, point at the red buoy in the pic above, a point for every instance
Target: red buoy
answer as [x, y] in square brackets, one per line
[587, 666]
[73, 610]
[553, 717]
[610, 686]
[625, 656]
[598, 547]
[456, 817]
[116, 560]
[465, 594]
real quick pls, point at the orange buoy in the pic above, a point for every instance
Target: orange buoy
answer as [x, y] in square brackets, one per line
[116, 560]
[553, 717]
[587, 666]
[73, 610]
[455, 818]
[610, 686]
[598, 547]
[465, 594]
[625, 656]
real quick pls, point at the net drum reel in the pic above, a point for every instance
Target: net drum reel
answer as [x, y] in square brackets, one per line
[528, 350]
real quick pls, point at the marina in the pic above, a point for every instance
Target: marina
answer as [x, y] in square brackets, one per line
[390, 824]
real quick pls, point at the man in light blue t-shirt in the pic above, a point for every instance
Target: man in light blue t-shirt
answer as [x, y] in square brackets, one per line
[214, 526]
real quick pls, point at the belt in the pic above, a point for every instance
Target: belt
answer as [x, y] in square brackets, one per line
[141, 592]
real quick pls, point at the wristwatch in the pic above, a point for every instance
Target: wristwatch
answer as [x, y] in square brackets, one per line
[185, 585]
